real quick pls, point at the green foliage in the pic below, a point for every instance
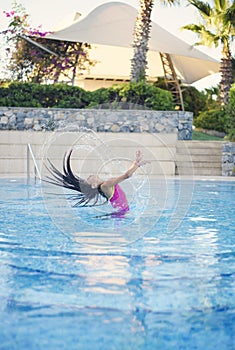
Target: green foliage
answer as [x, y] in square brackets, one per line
[66, 96]
[215, 25]
[231, 135]
[194, 100]
[19, 95]
[216, 28]
[146, 95]
[138, 95]
[160, 83]
[30, 63]
[44, 96]
[34, 58]
[213, 119]
[103, 97]
[217, 118]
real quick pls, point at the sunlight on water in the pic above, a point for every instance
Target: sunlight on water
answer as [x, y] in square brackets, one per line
[91, 282]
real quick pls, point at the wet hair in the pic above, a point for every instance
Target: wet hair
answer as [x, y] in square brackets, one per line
[85, 196]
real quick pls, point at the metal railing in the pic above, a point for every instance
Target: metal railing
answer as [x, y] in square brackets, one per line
[37, 173]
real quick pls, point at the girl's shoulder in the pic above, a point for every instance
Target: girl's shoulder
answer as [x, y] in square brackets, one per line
[106, 190]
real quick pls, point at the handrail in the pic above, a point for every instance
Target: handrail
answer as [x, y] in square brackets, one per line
[36, 169]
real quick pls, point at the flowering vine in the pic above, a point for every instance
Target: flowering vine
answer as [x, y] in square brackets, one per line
[32, 57]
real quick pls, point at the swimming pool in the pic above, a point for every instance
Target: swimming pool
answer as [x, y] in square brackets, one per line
[169, 289]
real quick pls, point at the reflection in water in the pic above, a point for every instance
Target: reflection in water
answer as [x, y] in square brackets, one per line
[164, 291]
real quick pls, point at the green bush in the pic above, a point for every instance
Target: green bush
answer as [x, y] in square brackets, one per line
[138, 95]
[211, 120]
[46, 96]
[194, 100]
[18, 95]
[146, 95]
[65, 96]
[231, 135]
[102, 96]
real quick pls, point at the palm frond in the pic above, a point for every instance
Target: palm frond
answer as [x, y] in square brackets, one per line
[203, 7]
[170, 2]
[221, 5]
[193, 27]
[229, 15]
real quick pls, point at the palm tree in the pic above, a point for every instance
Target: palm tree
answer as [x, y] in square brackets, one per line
[141, 38]
[230, 14]
[217, 28]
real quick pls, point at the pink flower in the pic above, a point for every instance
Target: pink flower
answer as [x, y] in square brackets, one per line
[9, 14]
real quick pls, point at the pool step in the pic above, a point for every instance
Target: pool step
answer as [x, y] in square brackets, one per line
[199, 158]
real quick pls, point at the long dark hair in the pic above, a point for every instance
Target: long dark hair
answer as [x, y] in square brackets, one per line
[86, 196]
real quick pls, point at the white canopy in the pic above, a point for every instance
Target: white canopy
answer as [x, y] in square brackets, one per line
[111, 25]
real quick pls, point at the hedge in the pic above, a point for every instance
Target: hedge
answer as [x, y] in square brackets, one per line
[65, 96]
[213, 119]
[44, 96]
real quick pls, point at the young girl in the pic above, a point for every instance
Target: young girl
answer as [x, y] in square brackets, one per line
[94, 191]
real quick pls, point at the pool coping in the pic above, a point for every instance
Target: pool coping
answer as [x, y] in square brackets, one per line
[167, 177]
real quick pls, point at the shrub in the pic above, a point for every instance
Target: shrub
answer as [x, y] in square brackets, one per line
[231, 135]
[46, 96]
[194, 100]
[18, 95]
[211, 120]
[102, 96]
[146, 95]
[65, 96]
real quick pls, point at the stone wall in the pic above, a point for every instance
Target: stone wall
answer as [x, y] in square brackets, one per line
[228, 159]
[100, 120]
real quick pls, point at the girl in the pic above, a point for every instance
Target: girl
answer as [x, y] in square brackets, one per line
[94, 190]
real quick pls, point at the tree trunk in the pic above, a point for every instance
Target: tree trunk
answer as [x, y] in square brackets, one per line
[226, 70]
[140, 42]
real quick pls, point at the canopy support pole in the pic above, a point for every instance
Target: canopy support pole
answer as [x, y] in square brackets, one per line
[171, 80]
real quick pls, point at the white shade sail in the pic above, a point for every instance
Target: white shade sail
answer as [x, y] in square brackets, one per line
[110, 27]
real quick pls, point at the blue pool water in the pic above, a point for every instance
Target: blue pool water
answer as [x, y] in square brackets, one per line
[167, 289]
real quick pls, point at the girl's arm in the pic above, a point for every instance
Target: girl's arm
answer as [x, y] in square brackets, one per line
[135, 165]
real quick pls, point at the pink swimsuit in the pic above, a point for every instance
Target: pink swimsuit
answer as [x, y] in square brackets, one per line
[118, 199]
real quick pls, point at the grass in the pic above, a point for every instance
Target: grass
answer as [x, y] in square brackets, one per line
[201, 136]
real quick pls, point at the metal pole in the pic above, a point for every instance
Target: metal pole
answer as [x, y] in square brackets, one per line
[28, 165]
[36, 169]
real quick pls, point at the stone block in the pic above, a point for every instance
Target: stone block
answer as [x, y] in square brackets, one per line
[4, 120]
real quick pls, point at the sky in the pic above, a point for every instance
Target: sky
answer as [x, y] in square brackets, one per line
[50, 14]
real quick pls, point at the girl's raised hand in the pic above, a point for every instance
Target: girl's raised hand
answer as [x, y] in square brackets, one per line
[139, 160]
